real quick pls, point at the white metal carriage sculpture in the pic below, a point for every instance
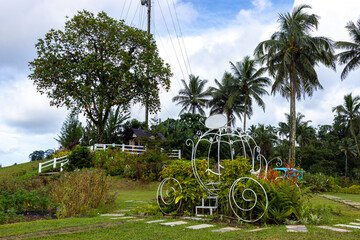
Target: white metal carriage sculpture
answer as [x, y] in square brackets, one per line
[245, 194]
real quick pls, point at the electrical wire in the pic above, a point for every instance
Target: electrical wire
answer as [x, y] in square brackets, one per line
[177, 58]
[137, 8]
[127, 13]
[122, 10]
[177, 37]
[178, 22]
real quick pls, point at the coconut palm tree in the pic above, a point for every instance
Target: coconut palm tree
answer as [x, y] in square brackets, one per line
[291, 55]
[251, 84]
[223, 100]
[351, 55]
[348, 148]
[193, 97]
[350, 112]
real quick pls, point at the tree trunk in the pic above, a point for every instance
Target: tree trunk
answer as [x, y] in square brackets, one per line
[345, 165]
[354, 136]
[228, 115]
[244, 129]
[292, 124]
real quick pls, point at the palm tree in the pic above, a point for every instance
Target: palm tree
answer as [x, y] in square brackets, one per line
[291, 56]
[305, 133]
[350, 112]
[265, 137]
[347, 147]
[351, 55]
[223, 100]
[251, 84]
[193, 98]
[114, 125]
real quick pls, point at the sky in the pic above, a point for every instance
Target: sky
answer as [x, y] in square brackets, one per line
[211, 34]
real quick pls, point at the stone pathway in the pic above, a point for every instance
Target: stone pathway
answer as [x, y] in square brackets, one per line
[226, 229]
[296, 228]
[348, 226]
[338, 199]
[334, 229]
[201, 226]
[289, 228]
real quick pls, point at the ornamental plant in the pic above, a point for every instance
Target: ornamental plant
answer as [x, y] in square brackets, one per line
[82, 192]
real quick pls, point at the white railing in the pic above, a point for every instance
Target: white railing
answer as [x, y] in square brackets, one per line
[53, 162]
[133, 149]
[172, 153]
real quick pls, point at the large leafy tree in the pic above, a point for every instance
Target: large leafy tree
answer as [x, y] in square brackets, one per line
[251, 84]
[97, 62]
[192, 97]
[291, 55]
[351, 56]
[223, 100]
[349, 112]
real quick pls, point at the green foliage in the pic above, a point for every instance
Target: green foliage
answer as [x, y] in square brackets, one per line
[71, 131]
[354, 189]
[286, 201]
[84, 192]
[79, 158]
[145, 166]
[178, 131]
[24, 201]
[318, 182]
[193, 97]
[36, 155]
[98, 62]
[113, 132]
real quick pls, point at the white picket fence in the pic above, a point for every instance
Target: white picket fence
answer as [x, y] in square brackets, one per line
[132, 149]
[54, 162]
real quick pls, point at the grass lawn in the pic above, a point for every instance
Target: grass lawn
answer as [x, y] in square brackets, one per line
[131, 194]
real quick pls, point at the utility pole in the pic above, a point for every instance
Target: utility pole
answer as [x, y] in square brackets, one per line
[148, 4]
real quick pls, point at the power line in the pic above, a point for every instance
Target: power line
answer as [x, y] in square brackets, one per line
[178, 22]
[137, 8]
[122, 10]
[177, 36]
[171, 40]
[128, 10]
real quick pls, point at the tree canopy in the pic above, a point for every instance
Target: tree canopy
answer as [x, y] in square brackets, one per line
[98, 62]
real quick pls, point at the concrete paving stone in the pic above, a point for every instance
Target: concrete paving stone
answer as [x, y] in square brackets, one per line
[200, 226]
[334, 229]
[348, 226]
[128, 217]
[355, 223]
[156, 221]
[357, 220]
[329, 196]
[194, 218]
[136, 220]
[112, 215]
[226, 229]
[174, 223]
[296, 228]
[257, 229]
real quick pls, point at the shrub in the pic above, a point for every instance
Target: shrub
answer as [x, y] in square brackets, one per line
[146, 166]
[22, 201]
[79, 158]
[82, 192]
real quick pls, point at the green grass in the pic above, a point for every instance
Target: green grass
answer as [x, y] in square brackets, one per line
[20, 170]
[352, 197]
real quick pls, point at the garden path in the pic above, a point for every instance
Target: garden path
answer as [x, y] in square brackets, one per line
[338, 199]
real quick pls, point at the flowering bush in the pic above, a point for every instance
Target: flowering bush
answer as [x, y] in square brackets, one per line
[82, 193]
